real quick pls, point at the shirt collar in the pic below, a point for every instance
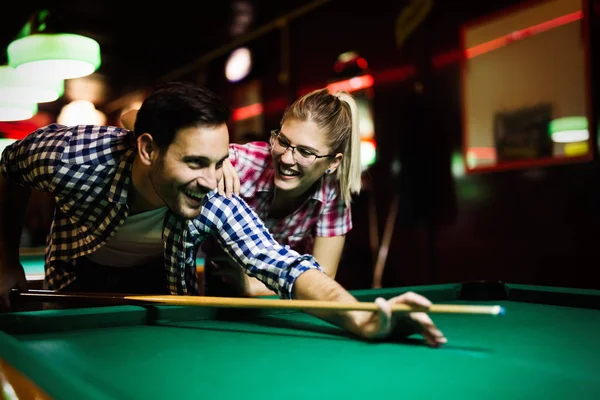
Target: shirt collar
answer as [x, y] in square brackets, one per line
[121, 183]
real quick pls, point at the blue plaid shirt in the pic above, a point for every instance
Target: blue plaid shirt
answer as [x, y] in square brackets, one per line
[88, 170]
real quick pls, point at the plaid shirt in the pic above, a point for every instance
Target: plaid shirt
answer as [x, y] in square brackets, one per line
[323, 214]
[88, 170]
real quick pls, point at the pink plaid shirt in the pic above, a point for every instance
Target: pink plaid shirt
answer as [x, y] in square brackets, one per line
[323, 214]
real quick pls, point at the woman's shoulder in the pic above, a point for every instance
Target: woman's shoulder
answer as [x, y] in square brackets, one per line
[252, 154]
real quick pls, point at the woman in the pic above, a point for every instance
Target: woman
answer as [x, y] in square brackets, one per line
[300, 184]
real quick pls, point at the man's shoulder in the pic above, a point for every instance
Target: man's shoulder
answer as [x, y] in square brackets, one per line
[82, 137]
[96, 144]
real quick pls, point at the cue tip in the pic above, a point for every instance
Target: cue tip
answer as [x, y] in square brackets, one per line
[500, 310]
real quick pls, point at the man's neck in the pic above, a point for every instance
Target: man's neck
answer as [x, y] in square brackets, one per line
[142, 196]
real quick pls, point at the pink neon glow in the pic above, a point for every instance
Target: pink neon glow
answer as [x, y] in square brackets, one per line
[482, 153]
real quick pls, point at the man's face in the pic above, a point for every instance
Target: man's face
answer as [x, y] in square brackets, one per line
[190, 168]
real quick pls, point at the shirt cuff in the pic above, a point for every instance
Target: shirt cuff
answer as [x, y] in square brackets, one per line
[304, 263]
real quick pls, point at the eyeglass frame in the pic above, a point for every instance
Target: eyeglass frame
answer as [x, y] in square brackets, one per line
[275, 134]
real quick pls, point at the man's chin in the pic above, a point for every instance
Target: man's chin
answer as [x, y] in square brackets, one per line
[187, 212]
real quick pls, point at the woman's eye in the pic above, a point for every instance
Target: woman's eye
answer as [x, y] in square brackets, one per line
[306, 153]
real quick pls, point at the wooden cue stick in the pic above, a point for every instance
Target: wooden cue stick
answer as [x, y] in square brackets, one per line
[235, 302]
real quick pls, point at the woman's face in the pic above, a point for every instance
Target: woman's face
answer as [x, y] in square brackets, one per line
[292, 175]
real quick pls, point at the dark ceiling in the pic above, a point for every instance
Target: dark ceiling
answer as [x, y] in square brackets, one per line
[142, 42]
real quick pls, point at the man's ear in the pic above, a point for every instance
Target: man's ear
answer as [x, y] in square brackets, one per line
[147, 150]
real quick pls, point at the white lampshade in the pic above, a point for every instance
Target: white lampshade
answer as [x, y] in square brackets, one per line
[16, 86]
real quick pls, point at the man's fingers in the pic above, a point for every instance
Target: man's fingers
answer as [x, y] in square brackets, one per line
[385, 316]
[412, 299]
[221, 187]
[430, 332]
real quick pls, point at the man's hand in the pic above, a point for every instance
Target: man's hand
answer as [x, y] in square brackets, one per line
[385, 324]
[11, 277]
[230, 183]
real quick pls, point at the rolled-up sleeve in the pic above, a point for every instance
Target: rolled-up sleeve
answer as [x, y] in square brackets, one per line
[244, 237]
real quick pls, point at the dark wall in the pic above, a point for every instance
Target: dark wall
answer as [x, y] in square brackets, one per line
[533, 225]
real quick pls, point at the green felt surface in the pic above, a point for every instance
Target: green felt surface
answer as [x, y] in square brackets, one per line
[535, 351]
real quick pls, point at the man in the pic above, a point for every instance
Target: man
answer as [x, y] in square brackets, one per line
[132, 209]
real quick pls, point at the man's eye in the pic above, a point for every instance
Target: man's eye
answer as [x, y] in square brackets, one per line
[196, 164]
[284, 142]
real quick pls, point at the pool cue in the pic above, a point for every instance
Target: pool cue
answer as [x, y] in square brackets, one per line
[244, 302]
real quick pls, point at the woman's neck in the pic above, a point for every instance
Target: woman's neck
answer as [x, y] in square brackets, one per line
[285, 203]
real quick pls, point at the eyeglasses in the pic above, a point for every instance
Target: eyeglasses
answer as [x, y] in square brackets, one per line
[302, 156]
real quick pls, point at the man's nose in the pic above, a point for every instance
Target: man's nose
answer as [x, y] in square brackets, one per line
[209, 178]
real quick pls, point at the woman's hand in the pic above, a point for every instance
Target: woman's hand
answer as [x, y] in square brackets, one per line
[230, 182]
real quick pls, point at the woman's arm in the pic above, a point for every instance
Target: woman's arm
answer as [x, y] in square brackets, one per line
[327, 251]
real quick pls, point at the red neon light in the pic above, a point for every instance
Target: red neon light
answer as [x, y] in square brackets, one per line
[450, 57]
[441, 60]
[275, 105]
[396, 74]
[522, 34]
[352, 84]
[247, 112]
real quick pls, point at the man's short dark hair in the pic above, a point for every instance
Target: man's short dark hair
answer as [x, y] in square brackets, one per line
[178, 105]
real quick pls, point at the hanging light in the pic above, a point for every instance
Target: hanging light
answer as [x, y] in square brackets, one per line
[45, 48]
[17, 111]
[81, 112]
[23, 88]
[58, 56]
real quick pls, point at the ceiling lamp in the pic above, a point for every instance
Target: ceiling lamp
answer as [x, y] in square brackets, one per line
[17, 111]
[56, 55]
[23, 88]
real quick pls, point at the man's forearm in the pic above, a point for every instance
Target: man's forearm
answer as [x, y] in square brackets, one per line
[13, 206]
[316, 285]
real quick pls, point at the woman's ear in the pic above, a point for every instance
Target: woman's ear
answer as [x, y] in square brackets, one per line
[335, 163]
[146, 148]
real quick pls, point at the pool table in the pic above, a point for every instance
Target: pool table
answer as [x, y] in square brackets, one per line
[546, 346]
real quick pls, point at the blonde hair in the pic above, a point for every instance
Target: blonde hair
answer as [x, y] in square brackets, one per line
[336, 115]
